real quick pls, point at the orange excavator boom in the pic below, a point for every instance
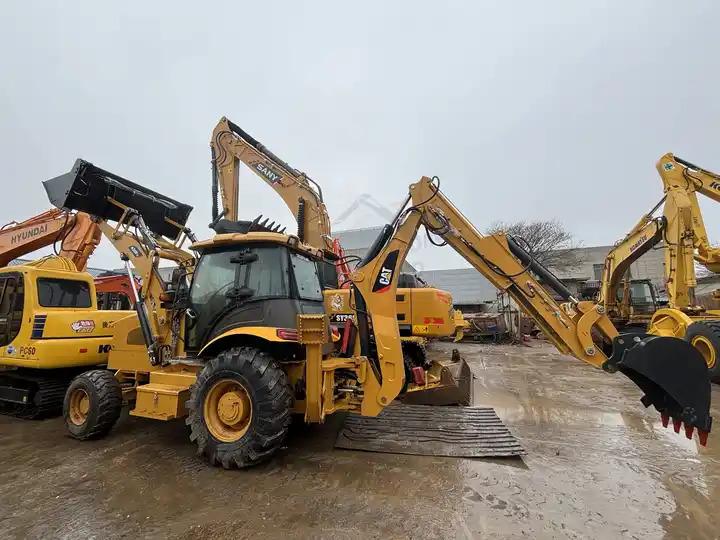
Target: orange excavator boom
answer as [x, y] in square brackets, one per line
[75, 234]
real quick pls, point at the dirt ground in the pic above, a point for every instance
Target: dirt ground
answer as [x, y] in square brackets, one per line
[598, 465]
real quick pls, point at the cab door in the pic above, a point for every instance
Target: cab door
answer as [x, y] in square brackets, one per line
[11, 306]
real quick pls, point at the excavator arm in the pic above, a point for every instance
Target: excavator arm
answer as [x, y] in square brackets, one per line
[77, 234]
[641, 239]
[669, 371]
[230, 146]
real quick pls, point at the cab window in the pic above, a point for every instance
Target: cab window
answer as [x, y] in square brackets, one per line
[261, 271]
[306, 277]
[63, 293]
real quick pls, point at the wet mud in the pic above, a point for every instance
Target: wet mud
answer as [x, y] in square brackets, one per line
[598, 465]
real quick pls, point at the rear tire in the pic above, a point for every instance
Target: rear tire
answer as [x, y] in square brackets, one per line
[705, 337]
[92, 404]
[240, 408]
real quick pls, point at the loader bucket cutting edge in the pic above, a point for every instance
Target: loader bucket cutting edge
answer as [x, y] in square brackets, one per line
[455, 387]
[673, 376]
[87, 188]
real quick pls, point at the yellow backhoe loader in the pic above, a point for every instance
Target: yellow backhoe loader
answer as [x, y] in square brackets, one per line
[247, 342]
[681, 229]
[423, 312]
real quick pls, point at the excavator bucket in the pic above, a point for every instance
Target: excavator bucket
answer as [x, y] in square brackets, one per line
[673, 376]
[446, 383]
[90, 189]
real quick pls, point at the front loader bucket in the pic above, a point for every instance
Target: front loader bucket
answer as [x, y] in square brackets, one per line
[90, 189]
[448, 383]
[673, 376]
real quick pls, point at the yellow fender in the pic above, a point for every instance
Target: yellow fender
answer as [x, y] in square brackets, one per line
[669, 322]
[262, 332]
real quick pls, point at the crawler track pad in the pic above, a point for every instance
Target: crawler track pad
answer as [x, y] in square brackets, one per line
[430, 431]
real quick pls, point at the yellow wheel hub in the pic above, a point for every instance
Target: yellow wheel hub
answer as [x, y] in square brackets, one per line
[227, 410]
[706, 349]
[79, 406]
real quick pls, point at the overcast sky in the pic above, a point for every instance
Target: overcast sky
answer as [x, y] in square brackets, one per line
[525, 110]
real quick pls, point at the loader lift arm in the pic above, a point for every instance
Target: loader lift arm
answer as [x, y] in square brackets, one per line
[77, 234]
[149, 227]
[677, 387]
[229, 146]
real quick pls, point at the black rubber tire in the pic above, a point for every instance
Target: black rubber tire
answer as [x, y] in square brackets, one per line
[271, 398]
[105, 397]
[711, 331]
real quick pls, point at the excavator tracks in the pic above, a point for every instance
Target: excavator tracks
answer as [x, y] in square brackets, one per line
[43, 393]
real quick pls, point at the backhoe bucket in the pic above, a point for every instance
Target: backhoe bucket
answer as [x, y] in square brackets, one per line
[90, 189]
[447, 383]
[673, 376]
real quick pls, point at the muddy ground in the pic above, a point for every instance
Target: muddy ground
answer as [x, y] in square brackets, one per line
[598, 465]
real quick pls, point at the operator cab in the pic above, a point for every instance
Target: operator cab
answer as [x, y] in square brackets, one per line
[641, 296]
[238, 282]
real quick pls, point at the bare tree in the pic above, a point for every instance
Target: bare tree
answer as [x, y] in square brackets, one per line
[547, 241]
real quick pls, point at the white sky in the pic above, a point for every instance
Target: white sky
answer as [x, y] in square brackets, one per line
[526, 110]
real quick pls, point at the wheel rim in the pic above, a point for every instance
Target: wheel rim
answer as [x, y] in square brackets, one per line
[706, 349]
[227, 410]
[79, 406]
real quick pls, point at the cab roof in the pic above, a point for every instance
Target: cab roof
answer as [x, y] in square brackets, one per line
[53, 265]
[229, 239]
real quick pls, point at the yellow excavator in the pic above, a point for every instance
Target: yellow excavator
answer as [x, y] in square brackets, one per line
[424, 312]
[240, 339]
[682, 231]
[50, 328]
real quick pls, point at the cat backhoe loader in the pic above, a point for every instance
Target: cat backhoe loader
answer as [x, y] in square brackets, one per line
[681, 229]
[247, 342]
[50, 328]
[423, 312]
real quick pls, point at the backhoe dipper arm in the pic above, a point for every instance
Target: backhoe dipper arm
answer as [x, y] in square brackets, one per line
[686, 237]
[229, 146]
[677, 387]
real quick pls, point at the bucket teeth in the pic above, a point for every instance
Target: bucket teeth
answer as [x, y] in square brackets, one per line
[665, 419]
[702, 437]
[689, 431]
[677, 424]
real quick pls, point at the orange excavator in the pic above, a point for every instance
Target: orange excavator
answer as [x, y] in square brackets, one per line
[76, 233]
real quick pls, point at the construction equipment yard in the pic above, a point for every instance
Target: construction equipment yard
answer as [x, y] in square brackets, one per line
[597, 465]
[396, 270]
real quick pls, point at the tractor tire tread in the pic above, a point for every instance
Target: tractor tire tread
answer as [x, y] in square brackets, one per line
[108, 403]
[271, 397]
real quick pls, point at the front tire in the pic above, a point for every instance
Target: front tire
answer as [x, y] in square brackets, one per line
[705, 337]
[92, 404]
[240, 408]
